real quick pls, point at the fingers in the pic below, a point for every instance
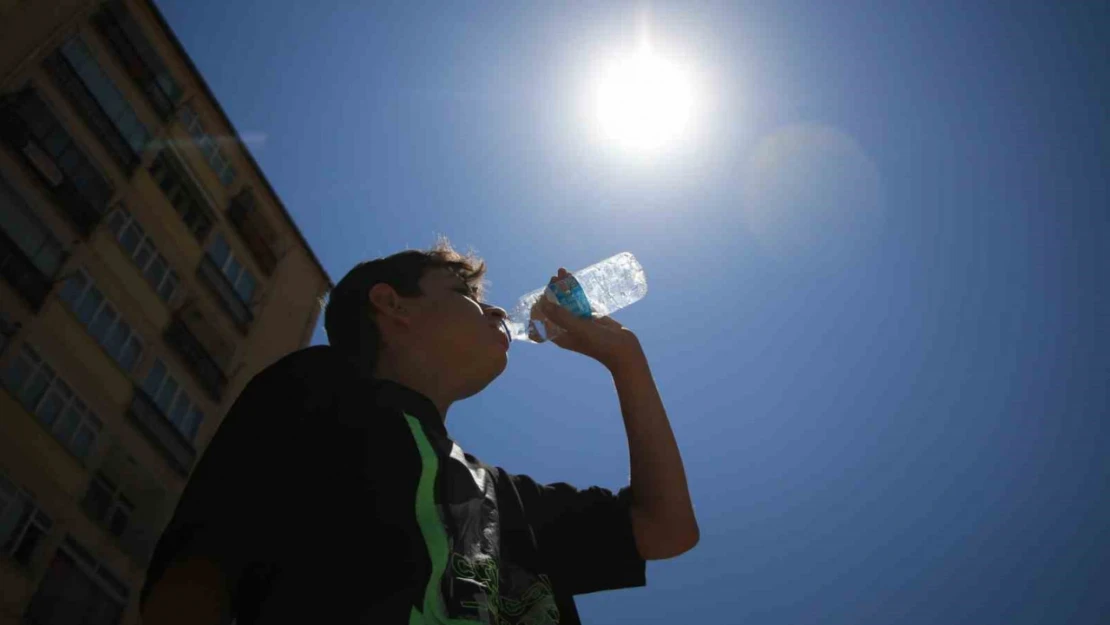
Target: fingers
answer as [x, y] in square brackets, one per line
[561, 316]
[608, 322]
[554, 311]
[567, 320]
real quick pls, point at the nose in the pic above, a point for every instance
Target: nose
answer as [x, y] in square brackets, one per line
[496, 312]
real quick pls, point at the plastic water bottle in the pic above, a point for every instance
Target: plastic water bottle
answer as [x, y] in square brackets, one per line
[598, 290]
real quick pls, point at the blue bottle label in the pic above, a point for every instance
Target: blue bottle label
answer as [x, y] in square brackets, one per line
[568, 293]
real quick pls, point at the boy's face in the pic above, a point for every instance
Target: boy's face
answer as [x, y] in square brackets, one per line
[465, 336]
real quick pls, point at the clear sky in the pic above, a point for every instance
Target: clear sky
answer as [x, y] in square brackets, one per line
[876, 255]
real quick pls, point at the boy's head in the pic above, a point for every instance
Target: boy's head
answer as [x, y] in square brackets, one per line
[420, 308]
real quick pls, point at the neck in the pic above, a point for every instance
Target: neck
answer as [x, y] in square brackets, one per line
[411, 371]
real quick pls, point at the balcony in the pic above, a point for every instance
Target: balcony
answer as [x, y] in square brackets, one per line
[196, 356]
[87, 107]
[255, 231]
[224, 291]
[138, 57]
[139, 542]
[32, 131]
[155, 426]
[22, 274]
[128, 502]
[182, 192]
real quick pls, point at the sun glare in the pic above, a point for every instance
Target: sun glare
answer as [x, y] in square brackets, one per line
[643, 102]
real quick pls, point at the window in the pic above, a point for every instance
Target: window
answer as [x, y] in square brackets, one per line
[34, 130]
[33, 238]
[208, 145]
[102, 320]
[138, 56]
[22, 524]
[30, 255]
[198, 344]
[98, 101]
[172, 400]
[239, 276]
[7, 330]
[182, 193]
[77, 590]
[106, 504]
[255, 230]
[48, 397]
[154, 267]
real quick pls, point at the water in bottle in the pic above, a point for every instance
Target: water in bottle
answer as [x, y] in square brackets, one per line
[598, 290]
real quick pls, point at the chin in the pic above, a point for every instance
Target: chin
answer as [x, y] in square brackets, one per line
[497, 368]
[486, 375]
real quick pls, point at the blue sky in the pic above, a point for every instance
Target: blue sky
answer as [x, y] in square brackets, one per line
[877, 268]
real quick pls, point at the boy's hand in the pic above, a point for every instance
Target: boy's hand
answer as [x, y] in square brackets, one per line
[601, 338]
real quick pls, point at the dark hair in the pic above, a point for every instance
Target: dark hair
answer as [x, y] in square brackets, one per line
[349, 316]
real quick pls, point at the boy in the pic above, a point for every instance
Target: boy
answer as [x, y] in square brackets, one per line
[333, 492]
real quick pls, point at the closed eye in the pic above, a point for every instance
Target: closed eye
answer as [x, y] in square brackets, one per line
[468, 293]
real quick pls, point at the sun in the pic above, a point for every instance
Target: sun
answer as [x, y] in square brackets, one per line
[643, 101]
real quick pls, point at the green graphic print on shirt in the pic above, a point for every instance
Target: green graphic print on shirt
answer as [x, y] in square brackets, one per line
[470, 583]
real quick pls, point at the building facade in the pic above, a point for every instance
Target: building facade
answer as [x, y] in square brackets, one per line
[148, 271]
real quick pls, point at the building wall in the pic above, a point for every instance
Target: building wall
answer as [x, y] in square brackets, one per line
[285, 305]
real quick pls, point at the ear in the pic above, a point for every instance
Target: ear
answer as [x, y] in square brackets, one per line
[387, 304]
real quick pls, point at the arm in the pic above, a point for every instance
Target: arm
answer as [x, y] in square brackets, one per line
[662, 513]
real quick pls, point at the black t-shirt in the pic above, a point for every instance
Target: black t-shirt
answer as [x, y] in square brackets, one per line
[327, 496]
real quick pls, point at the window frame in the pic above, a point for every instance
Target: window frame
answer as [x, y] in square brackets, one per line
[124, 34]
[63, 166]
[218, 160]
[12, 201]
[176, 183]
[76, 302]
[8, 329]
[192, 412]
[85, 83]
[225, 269]
[128, 222]
[32, 517]
[95, 573]
[88, 420]
[118, 503]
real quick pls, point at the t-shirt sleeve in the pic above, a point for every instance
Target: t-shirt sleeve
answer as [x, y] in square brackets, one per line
[584, 536]
[232, 511]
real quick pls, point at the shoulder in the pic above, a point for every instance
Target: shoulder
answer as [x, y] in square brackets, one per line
[311, 367]
[300, 381]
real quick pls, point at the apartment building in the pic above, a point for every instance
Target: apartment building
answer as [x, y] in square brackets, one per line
[148, 271]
